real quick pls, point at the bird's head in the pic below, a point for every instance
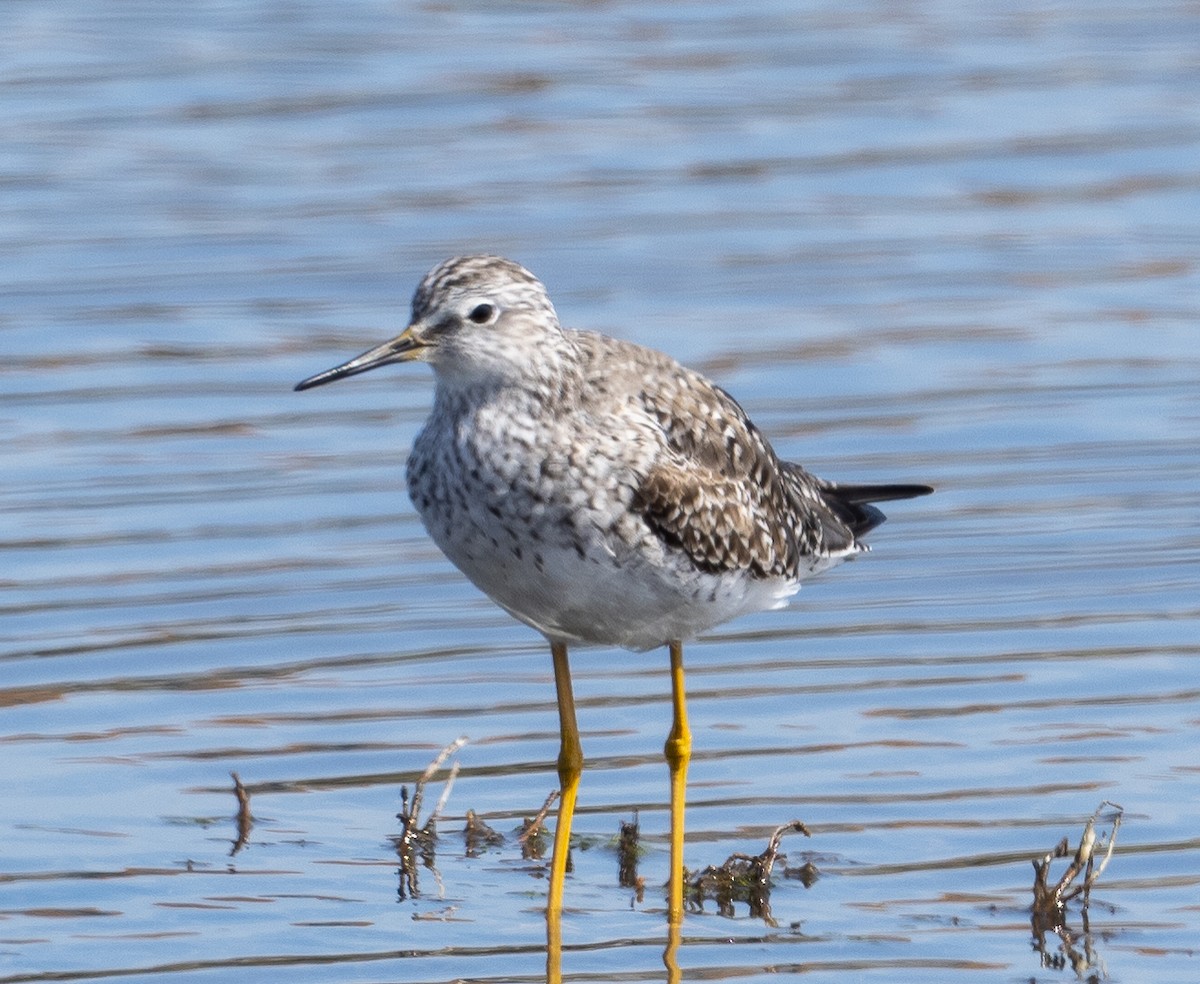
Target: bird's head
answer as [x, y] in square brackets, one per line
[477, 320]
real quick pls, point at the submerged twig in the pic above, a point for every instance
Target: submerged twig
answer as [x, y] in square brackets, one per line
[742, 878]
[477, 835]
[431, 768]
[533, 831]
[1052, 901]
[1049, 910]
[245, 819]
[442, 800]
[627, 855]
[416, 838]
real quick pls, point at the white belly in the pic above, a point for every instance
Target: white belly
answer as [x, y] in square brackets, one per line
[636, 600]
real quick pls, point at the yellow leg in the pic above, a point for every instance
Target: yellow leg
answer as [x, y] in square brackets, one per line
[679, 752]
[570, 766]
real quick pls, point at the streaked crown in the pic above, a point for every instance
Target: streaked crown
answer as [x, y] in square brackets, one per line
[487, 317]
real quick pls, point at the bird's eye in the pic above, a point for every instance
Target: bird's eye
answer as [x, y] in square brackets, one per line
[481, 314]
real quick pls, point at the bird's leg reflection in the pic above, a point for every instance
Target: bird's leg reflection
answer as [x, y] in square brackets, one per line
[553, 947]
[671, 953]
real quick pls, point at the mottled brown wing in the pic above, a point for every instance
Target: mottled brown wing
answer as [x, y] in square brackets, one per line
[716, 489]
[711, 521]
[719, 492]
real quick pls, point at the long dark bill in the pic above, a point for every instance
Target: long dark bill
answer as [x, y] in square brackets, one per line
[398, 349]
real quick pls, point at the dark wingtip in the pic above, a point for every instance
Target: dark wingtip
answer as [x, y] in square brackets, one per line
[880, 493]
[853, 503]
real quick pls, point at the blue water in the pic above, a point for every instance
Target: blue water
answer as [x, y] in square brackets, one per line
[936, 242]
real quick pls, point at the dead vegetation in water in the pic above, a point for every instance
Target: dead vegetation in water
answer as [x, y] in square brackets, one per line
[416, 844]
[628, 852]
[533, 837]
[741, 878]
[1048, 914]
[245, 819]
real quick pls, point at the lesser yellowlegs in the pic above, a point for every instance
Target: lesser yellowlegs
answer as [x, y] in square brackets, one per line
[600, 492]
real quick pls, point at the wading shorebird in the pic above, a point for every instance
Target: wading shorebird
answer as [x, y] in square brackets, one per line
[600, 492]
